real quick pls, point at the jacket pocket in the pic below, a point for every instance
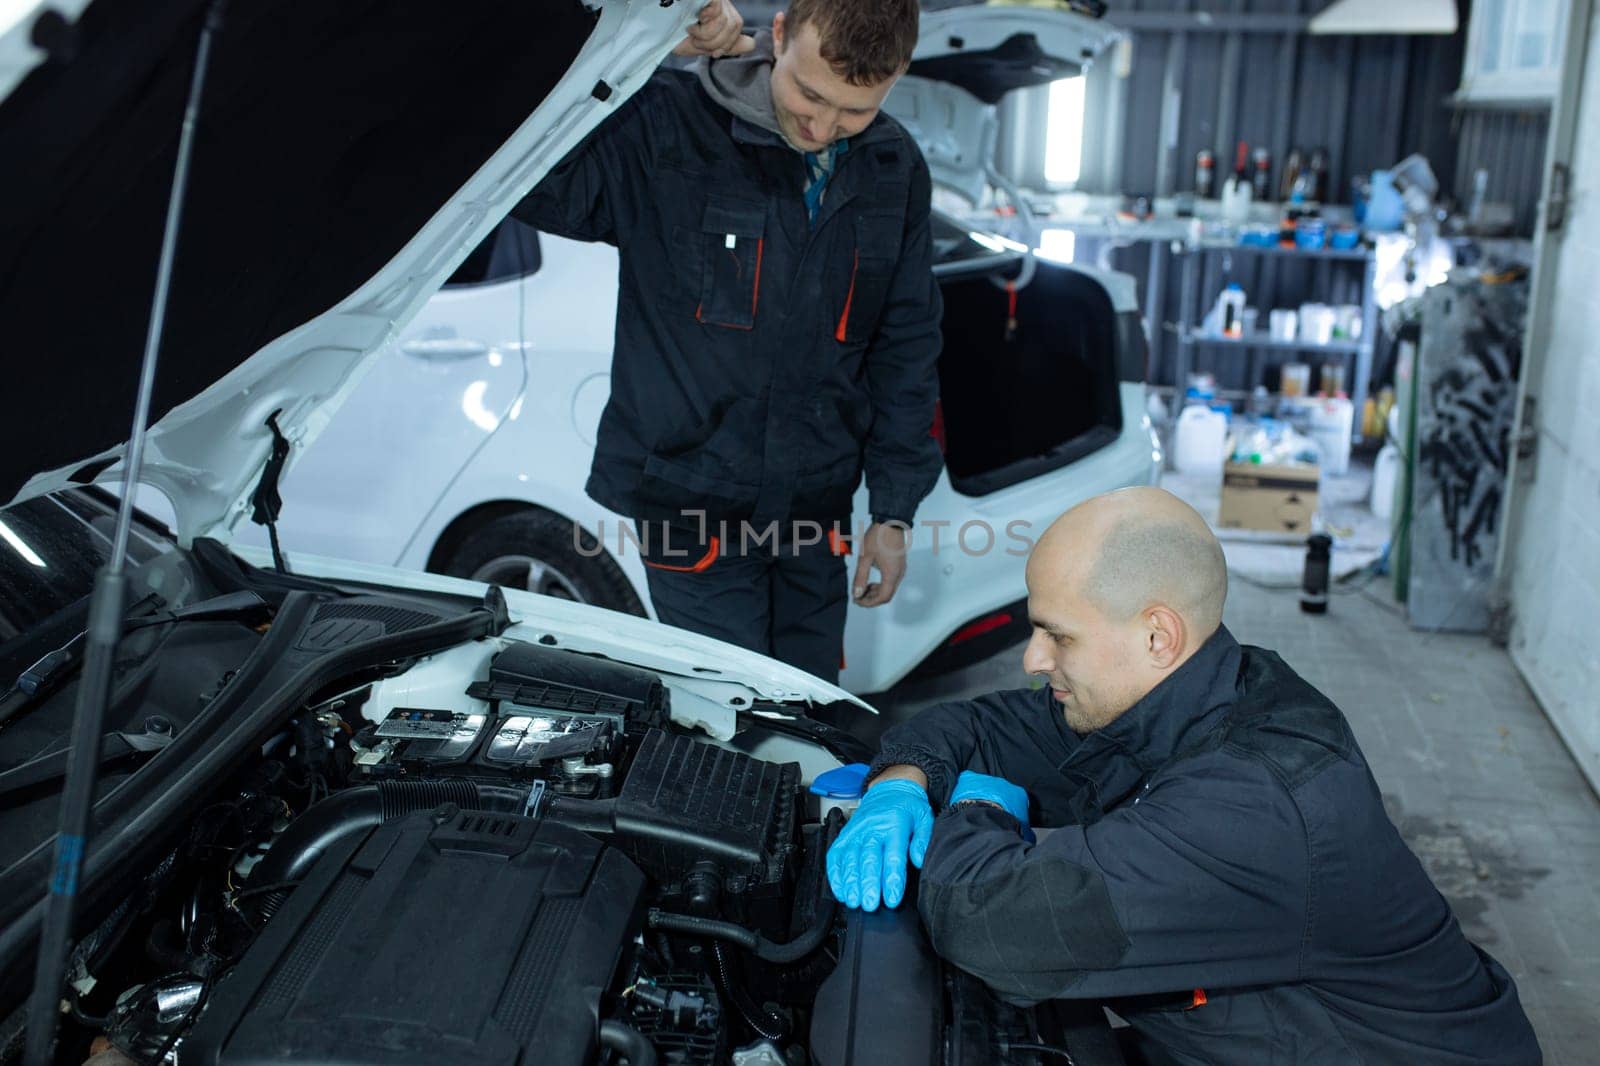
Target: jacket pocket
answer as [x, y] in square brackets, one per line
[731, 235]
[872, 266]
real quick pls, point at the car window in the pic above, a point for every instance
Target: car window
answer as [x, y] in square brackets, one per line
[510, 251]
[955, 243]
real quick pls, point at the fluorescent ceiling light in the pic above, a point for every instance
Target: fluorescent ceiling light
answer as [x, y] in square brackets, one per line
[1063, 142]
[1387, 17]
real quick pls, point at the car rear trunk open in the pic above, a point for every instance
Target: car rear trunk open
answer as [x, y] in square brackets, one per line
[1019, 402]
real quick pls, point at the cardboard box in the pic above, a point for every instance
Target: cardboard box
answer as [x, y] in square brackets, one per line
[1275, 498]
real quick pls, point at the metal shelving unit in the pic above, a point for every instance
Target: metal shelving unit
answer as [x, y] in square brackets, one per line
[1360, 351]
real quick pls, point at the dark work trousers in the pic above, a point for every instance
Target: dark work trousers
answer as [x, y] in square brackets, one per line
[784, 596]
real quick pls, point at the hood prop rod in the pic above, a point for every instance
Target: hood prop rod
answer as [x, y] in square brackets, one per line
[105, 624]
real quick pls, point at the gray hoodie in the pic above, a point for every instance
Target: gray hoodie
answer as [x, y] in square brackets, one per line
[742, 85]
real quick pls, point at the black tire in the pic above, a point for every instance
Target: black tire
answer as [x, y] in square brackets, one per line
[510, 550]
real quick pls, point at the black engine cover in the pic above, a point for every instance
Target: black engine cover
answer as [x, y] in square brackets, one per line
[443, 937]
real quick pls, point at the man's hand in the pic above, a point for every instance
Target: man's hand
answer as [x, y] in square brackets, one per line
[883, 546]
[717, 32]
[867, 863]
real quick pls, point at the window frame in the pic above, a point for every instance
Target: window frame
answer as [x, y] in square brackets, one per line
[1506, 83]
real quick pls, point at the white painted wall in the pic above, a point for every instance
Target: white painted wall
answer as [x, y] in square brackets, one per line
[1555, 568]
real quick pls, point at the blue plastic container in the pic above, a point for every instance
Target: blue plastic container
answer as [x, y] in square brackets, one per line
[845, 782]
[1310, 233]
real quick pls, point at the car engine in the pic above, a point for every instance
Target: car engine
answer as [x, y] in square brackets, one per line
[550, 871]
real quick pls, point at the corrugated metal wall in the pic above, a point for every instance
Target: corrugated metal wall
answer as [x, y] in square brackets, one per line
[1249, 72]
[1510, 145]
[1209, 73]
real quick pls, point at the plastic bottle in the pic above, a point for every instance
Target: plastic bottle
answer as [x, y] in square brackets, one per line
[1314, 580]
[1205, 174]
[1201, 437]
[1332, 423]
[1230, 311]
[1236, 193]
[1385, 472]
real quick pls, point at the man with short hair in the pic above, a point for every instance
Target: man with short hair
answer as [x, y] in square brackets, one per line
[777, 325]
[1222, 874]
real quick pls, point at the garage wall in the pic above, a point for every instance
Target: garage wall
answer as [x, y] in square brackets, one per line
[1510, 145]
[1246, 70]
[1555, 566]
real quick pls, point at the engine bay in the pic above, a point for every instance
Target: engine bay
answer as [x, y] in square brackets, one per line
[513, 852]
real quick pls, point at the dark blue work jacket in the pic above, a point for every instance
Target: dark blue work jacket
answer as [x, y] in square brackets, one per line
[1225, 876]
[762, 362]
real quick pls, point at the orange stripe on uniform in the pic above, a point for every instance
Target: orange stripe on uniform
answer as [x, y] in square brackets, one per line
[703, 565]
[844, 319]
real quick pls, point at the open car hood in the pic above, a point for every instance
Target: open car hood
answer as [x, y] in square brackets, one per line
[348, 156]
[967, 60]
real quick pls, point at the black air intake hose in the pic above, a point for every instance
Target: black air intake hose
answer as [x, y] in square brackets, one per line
[591, 816]
[628, 1042]
[764, 1022]
[352, 811]
[791, 951]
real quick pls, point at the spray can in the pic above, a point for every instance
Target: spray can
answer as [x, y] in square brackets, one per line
[1262, 178]
[1205, 174]
[1314, 583]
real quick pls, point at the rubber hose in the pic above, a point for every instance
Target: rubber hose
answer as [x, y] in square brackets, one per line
[827, 907]
[628, 1042]
[591, 816]
[763, 1022]
[767, 950]
[339, 817]
[689, 923]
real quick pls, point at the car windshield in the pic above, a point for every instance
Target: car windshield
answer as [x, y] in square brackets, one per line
[50, 548]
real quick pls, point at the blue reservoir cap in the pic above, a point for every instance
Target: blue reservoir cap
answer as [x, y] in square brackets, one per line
[846, 782]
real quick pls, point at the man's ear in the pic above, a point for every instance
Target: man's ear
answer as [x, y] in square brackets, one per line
[1166, 637]
[777, 32]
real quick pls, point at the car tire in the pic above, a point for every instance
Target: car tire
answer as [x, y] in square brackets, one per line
[534, 550]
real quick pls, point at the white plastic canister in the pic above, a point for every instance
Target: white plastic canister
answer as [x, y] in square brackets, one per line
[1202, 436]
[1385, 472]
[1332, 422]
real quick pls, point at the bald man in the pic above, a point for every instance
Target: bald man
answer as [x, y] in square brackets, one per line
[1223, 873]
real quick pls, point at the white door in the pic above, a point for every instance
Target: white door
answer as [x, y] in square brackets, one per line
[1550, 553]
[428, 404]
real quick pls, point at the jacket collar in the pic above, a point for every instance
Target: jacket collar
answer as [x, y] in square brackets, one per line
[746, 132]
[1111, 763]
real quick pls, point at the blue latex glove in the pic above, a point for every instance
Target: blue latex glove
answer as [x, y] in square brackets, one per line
[975, 786]
[867, 863]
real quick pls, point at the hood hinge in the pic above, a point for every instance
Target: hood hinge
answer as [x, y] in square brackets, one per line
[266, 501]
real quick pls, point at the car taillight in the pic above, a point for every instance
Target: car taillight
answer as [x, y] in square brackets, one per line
[986, 624]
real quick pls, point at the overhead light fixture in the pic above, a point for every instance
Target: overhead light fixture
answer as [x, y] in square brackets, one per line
[1387, 17]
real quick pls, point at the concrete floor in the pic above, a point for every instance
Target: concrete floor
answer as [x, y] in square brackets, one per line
[1478, 782]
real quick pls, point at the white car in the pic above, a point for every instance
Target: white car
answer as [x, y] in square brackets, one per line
[466, 448]
[350, 813]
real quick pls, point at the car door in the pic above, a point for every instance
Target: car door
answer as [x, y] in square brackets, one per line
[438, 392]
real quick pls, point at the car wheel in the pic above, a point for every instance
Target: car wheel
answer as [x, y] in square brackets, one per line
[534, 550]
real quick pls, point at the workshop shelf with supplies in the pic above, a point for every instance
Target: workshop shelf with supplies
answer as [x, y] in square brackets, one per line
[1356, 351]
